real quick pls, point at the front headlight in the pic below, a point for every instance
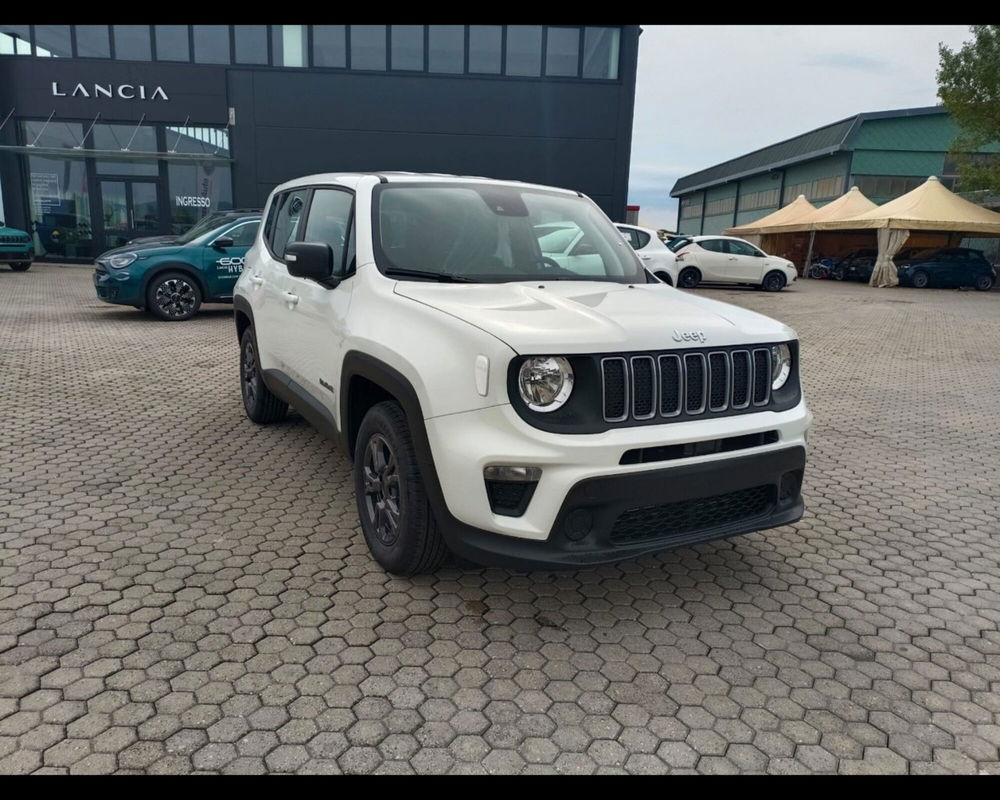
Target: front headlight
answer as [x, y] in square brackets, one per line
[121, 260]
[781, 365]
[545, 382]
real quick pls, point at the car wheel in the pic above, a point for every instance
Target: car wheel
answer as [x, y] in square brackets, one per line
[396, 517]
[261, 405]
[689, 278]
[173, 296]
[20, 266]
[984, 283]
[839, 273]
[774, 281]
[920, 280]
[665, 277]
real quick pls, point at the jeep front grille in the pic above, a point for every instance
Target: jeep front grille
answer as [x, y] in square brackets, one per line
[692, 384]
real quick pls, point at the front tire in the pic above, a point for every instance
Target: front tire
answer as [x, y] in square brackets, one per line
[260, 404]
[396, 517]
[20, 266]
[173, 297]
[774, 281]
[983, 283]
[689, 278]
[920, 280]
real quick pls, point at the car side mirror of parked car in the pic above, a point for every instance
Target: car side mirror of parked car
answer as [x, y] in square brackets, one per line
[222, 242]
[311, 260]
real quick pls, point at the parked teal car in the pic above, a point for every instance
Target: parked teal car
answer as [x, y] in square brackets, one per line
[172, 277]
[16, 248]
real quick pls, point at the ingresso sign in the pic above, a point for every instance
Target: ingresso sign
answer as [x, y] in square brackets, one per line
[126, 91]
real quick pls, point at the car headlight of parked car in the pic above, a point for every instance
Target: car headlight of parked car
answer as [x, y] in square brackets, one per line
[121, 260]
[781, 365]
[545, 382]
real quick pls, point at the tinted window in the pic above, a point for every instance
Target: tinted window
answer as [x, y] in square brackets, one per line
[524, 50]
[330, 222]
[243, 235]
[329, 47]
[713, 245]
[484, 49]
[446, 51]
[368, 47]
[211, 44]
[92, 41]
[132, 43]
[283, 222]
[15, 40]
[407, 47]
[251, 44]
[642, 239]
[562, 51]
[600, 52]
[289, 45]
[172, 43]
[741, 248]
[53, 40]
[678, 242]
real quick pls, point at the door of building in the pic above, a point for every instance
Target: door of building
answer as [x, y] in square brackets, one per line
[129, 207]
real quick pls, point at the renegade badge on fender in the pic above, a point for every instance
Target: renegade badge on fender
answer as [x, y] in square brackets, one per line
[504, 398]
[172, 278]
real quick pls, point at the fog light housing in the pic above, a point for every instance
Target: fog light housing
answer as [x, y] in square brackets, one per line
[509, 488]
[791, 486]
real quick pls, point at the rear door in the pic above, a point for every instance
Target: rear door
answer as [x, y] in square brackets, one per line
[711, 257]
[222, 263]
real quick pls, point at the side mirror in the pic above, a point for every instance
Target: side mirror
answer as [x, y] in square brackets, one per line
[222, 241]
[311, 260]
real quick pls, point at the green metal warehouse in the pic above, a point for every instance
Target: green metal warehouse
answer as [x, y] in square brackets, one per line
[884, 153]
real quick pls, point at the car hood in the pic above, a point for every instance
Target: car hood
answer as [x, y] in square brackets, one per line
[5, 231]
[147, 248]
[144, 240]
[566, 317]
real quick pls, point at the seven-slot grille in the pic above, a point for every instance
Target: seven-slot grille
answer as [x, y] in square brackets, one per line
[688, 384]
[19, 238]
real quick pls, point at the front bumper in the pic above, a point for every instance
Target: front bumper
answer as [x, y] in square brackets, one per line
[117, 287]
[12, 253]
[585, 471]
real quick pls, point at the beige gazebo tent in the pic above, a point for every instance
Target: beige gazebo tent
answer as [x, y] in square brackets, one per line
[929, 207]
[794, 212]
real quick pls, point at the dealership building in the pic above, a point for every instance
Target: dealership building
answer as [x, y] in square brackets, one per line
[113, 131]
[885, 154]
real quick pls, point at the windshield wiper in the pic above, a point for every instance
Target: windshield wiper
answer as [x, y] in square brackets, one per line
[440, 277]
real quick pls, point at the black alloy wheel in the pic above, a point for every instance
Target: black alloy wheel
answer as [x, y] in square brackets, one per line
[173, 297]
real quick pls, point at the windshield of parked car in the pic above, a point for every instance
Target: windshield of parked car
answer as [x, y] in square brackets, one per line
[493, 234]
[203, 226]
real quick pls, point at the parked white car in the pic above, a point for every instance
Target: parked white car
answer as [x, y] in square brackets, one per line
[652, 251]
[517, 405]
[726, 259]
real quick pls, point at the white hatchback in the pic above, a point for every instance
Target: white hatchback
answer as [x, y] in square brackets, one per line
[726, 259]
[654, 254]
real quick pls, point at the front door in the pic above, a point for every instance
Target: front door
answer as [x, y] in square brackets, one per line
[745, 263]
[223, 257]
[129, 208]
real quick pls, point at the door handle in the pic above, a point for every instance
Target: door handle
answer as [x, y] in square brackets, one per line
[645, 258]
[290, 298]
[732, 258]
[256, 280]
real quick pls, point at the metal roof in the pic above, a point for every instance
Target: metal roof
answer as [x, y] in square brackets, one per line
[804, 147]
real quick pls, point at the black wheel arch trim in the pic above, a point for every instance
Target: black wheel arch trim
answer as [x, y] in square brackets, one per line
[241, 306]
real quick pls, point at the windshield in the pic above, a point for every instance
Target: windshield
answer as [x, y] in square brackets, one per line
[202, 226]
[493, 234]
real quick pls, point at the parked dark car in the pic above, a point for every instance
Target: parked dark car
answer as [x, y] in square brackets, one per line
[947, 266]
[858, 265]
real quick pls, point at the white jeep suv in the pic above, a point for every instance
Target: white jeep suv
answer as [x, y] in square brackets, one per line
[515, 407]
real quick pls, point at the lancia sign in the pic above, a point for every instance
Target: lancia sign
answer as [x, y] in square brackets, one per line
[126, 91]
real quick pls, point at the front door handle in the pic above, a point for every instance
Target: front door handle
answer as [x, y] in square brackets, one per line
[644, 257]
[290, 298]
[256, 280]
[732, 258]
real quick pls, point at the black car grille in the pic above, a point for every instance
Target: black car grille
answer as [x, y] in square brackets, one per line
[688, 516]
[691, 384]
[18, 238]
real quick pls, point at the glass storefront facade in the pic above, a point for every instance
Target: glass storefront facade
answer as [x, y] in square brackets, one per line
[96, 186]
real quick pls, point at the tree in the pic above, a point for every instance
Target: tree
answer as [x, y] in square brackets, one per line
[969, 87]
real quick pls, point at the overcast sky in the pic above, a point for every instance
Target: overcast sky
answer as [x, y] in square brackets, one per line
[706, 94]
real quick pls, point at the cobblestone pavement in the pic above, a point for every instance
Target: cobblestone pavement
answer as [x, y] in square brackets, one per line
[183, 591]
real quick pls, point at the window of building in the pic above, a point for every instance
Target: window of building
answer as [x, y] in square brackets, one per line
[93, 41]
[886, 187]
[330, 222]
[764, 198]
[485, 54]
[138, 139]
[206, 141]
[53, 40]
[132, 43]
[172, 43]
[524, 50]
[15, 40]
[59, 207]
[722, 205]
[600, 52]
[329, 46]
[446, 48]
[186, 181]
[250, 44]
[407, 47]
[289, 45]
[211, 44]
[368, 47]
[819, 189]
[691, 206]
[562, 51]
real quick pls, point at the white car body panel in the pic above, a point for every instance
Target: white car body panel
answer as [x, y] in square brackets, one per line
[655, 255]
[725, 267]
